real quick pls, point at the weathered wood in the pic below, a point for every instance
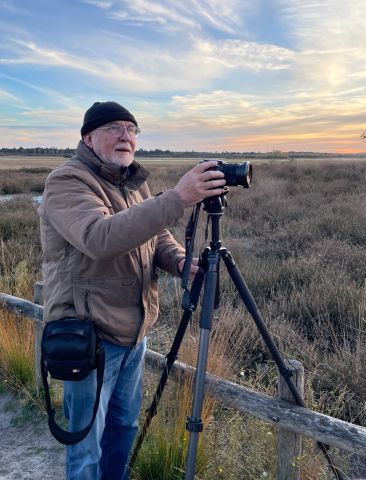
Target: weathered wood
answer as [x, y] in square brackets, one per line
[38, 330]
[38, 293]
[289, 442]
[22, 307]
[328, 430]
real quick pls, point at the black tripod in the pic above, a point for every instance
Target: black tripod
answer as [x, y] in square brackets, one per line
[208, 275]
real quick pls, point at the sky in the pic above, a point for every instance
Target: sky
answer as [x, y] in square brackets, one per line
[210, 75]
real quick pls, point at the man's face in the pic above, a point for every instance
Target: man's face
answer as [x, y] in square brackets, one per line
[109, 148]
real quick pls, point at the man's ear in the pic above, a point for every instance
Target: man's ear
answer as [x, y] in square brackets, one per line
[88, 140]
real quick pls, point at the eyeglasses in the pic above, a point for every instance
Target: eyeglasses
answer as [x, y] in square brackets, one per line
[117, 130]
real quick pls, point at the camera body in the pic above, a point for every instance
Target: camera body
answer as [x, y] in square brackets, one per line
[235, 173]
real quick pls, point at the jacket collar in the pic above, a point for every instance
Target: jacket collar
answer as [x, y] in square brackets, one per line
[131, 177]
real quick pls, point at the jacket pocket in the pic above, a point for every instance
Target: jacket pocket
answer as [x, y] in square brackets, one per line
[94, 298]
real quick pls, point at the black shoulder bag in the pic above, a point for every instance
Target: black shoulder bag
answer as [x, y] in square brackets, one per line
[71, 349]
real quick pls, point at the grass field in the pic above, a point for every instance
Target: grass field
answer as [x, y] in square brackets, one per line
[299, 238]
[26, 161]
[15, 162]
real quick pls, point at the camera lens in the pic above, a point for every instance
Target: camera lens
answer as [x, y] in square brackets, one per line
[237, 174]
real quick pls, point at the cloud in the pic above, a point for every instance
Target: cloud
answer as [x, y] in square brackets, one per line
[233, 121]
[332, 23]
[246, 55]
[329, 38]
[6, 96]
[31, 53]
[216, 109]
[49, 94]
[143, 11]
[38, 137]
[146, 68]
[206, 70]
[10, 7]
[216, 120]
[171, 16]
[70, 117]
[104, 5]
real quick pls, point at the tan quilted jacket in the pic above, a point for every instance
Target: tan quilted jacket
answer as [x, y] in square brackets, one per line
[103, 237]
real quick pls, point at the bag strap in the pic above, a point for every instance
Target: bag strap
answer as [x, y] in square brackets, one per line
[63, 436]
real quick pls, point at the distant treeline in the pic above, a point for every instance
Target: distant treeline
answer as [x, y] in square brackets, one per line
[69, 152]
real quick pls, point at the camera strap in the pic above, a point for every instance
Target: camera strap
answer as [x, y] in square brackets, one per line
[190, 235]
[63, 436]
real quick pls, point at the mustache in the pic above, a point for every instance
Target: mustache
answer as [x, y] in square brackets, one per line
[123, 147]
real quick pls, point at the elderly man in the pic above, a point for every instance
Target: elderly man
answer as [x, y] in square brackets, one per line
[103, 237]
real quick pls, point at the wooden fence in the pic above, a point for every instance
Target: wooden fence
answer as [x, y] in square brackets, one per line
[292, 421]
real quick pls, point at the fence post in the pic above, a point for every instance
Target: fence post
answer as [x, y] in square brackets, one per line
[289, 443]
[38, 330]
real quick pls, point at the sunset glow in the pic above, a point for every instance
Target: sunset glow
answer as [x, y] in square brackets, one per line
[220, 76]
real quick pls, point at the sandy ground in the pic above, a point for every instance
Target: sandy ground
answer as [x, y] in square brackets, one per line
[27, 449]
[29, 452]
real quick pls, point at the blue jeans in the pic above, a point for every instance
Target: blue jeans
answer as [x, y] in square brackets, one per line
[103, 454]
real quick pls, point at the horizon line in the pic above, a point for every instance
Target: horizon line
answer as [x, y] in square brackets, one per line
[159, 151]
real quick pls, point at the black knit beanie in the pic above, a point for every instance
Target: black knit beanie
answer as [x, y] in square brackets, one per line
[101, 113]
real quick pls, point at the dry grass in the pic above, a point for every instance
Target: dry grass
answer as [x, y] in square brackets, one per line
[164, 453]
[17, 162]
[17, 351]
[299, 238]
[27, 180]
[20, 247]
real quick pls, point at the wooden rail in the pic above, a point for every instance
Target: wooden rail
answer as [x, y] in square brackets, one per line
[284, 414]
[293, 421]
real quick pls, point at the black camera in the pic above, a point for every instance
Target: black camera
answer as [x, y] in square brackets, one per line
[235, 173]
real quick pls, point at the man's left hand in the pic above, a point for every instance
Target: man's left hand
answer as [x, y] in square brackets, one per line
[193, 269]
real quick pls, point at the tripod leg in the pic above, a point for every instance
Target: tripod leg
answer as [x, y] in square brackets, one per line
[249, 302]
[194, 422]
[170, 359]
[286, 373]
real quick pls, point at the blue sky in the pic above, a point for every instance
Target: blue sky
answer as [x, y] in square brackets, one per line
[233, 75]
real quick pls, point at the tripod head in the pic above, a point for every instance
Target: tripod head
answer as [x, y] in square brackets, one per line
[216, 205]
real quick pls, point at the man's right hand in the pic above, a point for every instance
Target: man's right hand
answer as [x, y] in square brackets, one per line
[200, 183]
